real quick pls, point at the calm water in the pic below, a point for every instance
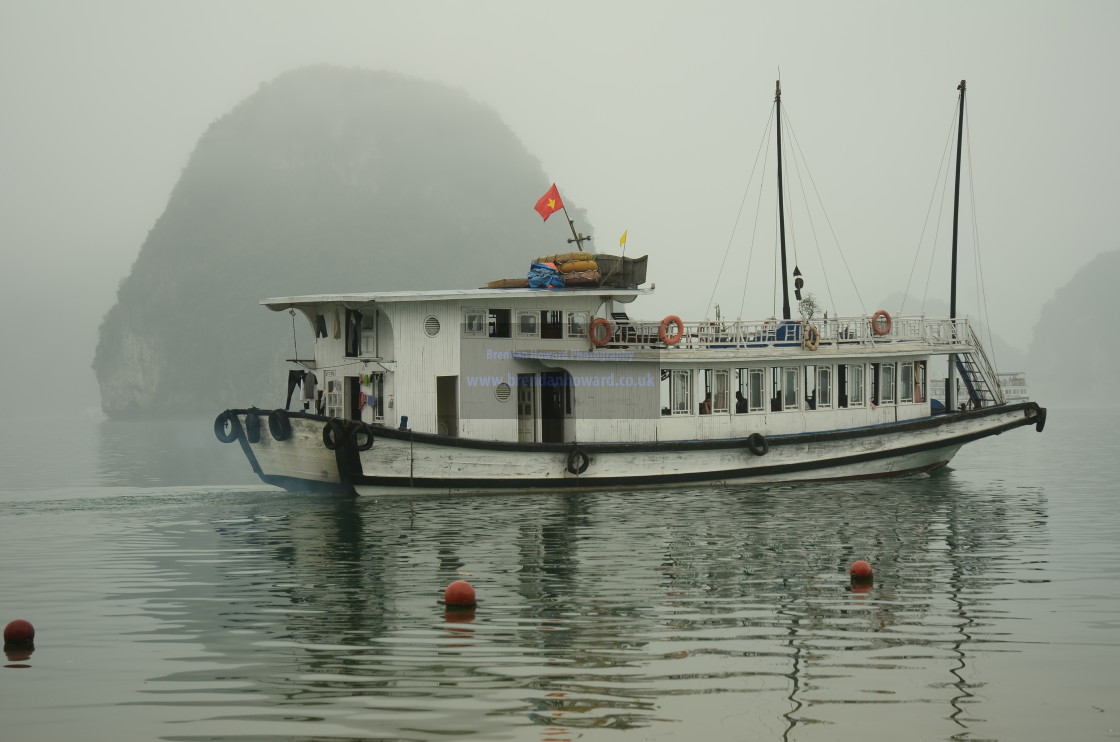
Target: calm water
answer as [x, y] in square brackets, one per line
[176, 599]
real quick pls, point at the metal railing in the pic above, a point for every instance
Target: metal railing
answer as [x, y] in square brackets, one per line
[832, 332]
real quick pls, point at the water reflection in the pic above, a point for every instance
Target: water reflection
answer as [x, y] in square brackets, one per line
[596, 611]
[172, 452]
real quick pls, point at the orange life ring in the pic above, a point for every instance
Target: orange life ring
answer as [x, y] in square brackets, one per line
[662, 332]
[811, 340]
[599, 339]
[881, 314]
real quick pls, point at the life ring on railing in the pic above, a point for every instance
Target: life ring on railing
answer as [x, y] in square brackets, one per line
[811, 338]
[252, 426]
[881, 315]
[334, 434]
[600, 332]
[279, 425]
[578, 461]
[220, 423]
[757, 444]
[663, 330]
[356, 434]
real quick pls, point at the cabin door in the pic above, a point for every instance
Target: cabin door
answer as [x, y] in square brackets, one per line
[447, 405]
[526, 408]
[552, 406]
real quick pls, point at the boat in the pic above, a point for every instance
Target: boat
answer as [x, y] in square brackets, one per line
[549, 387]
[1014, 385]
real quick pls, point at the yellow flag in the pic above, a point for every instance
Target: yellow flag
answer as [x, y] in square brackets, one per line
[622, 239]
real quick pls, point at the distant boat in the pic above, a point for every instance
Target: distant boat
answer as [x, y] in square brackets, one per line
[524, 390]
[1014, 385]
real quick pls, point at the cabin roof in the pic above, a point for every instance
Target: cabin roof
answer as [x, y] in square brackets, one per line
[386, 297]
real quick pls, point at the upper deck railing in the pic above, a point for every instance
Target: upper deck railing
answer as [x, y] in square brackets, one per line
[836, 333]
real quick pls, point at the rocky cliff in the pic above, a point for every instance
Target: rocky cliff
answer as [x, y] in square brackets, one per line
[324, 180]
[1073, 353]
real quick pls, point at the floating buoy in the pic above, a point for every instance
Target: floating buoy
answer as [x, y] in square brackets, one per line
[459, 594]
[861, 572]
[19, 632]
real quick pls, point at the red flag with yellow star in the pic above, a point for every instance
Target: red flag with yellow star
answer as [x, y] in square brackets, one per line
[549, 203]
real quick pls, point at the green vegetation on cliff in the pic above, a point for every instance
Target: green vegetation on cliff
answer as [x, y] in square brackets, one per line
[325, 180]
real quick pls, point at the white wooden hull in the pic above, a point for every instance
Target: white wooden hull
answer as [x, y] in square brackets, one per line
[400, 462]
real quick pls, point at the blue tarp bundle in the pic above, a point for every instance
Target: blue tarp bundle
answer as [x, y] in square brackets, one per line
[542, 276]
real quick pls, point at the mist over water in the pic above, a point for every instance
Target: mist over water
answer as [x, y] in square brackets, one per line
[165, 583]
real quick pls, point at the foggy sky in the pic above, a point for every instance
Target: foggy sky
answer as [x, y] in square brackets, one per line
[647, 114]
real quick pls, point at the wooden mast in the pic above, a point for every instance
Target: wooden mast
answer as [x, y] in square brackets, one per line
[781, 204]
[951, 392]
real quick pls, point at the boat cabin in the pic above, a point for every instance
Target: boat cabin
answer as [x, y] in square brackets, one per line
[564, 365]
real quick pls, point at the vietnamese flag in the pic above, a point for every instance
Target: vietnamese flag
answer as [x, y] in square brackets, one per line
[550, 203]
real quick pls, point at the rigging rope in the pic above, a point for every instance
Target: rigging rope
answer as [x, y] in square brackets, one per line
[754, 228]
[832, 230]
[925, 225]
[981, 289]
[739, 214]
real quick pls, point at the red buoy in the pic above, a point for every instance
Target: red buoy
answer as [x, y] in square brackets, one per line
[860, 571]
[19, 632]
[459, 594]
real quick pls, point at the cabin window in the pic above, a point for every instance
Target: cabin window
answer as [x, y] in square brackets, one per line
[333, 393]
[497, 323]
[552, 324]
[676, 392]
[818, 387]
[810, 377]
[775, 390]
[577, 324]
[756, 382]
[850, 385]
[875, 385]
[824, 387]
[790, 397]
[528, 324]
[354, 322]
[369, 333]
[720, 392]
[716, 392]
[920, 381]
[474, 323]
[906, 382]
[886, 384]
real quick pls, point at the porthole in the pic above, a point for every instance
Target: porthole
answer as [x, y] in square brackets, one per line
[431, 326]
[502, 392]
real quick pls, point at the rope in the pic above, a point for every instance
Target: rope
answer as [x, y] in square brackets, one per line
[295, 348]
[739, 214]
[831, 229]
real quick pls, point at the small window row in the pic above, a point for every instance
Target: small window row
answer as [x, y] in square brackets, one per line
[784, 388]
[549, 324]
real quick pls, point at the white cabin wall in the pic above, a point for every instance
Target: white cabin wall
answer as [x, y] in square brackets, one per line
[615, 400]
[415, 359]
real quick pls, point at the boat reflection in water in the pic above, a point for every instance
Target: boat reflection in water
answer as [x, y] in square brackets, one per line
[635, 610]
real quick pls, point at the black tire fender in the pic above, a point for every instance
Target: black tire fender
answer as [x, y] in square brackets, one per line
[279, 425]
[252, 426]
[1040, 423]
[334, 434]
[578, 461]
[757, 444]
[220, 423]
[357, 440]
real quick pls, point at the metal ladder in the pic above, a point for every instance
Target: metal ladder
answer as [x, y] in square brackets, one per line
[979, 377]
